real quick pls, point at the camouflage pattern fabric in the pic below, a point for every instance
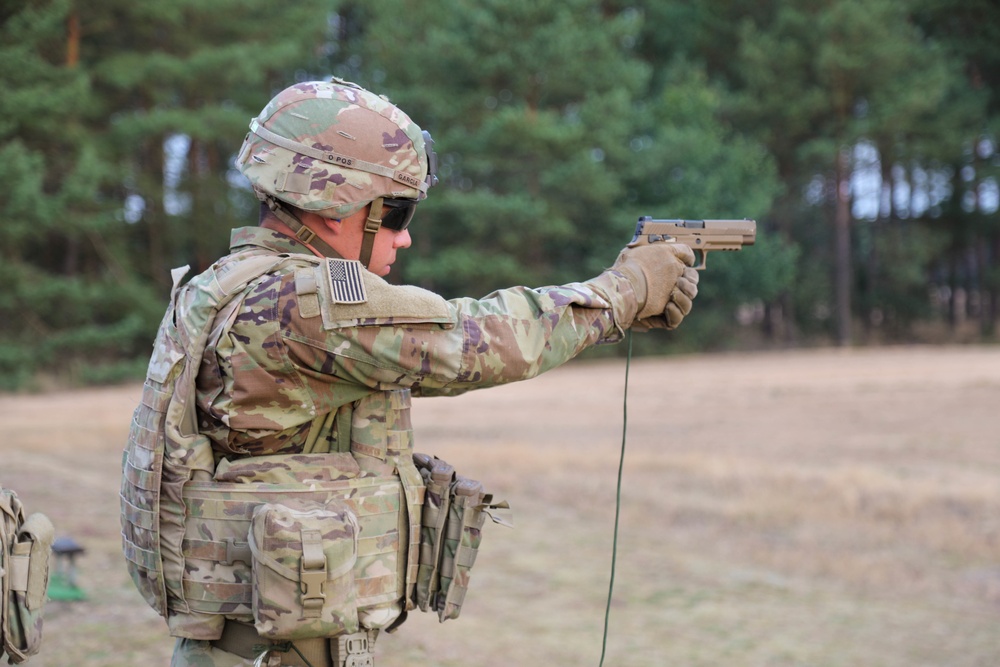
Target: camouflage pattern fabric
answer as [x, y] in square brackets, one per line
[281, 369]
[303, 559]
[165, 451]
[463, 534]
[220, 515]
[274, 372]
[25, 545]
[343, 651]
[342, 135]
[438, 477]
[451, 531]
[195, 653]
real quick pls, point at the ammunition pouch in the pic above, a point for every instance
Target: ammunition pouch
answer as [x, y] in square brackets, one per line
[25, 545]
[303, 569]
[455, 509]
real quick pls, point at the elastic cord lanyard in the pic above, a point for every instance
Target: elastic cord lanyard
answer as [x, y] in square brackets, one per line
[618, 497]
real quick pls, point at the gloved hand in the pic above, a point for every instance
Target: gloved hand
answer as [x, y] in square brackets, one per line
[677, 308]
[664, 283]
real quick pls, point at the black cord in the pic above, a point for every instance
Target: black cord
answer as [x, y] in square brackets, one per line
[618, 497]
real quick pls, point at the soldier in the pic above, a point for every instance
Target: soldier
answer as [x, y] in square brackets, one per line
[272, 508]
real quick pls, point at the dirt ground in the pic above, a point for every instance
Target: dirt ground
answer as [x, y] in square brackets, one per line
[818, 508]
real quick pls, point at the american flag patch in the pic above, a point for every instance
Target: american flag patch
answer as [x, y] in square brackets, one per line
[346, 283]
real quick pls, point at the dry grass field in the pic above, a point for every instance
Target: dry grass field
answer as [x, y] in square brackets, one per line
[820, 508]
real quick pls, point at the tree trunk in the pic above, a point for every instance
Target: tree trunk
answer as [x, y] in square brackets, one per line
[842, 248]
[72, 40]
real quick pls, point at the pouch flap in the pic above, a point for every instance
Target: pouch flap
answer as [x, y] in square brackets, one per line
[286, 538]
[35, 536]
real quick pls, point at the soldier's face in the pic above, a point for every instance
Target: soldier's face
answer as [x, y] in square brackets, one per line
[346, 236]
[387, 242]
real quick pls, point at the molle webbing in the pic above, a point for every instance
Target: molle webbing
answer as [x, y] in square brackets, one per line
[165, 449]
[195, 568]
[376, 480]
[455, 509]
[25, 544]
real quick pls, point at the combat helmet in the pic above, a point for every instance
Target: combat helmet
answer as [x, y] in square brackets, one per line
[331, 148]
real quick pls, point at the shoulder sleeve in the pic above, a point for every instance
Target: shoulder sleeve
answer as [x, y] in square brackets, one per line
[351, 297]
[389, 336]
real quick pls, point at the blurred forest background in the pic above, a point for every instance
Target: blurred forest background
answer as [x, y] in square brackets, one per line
[861, 134]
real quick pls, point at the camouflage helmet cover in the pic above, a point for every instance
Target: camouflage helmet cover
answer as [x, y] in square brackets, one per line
[332, 147]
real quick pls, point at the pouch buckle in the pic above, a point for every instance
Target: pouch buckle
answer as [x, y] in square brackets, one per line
[312, 573]
[313, 587]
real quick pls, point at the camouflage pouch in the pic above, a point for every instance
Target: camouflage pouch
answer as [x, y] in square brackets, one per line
[455, 509]
[24, 569]
[303, 559]
[463, 533]
[438, 477]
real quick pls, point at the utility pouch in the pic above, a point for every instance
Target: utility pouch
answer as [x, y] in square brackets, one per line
[438, 477]
[463, 534]
[455, 509]
[24, 570]
[303, 560]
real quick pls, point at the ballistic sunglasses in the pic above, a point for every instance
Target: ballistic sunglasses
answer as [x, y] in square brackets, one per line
[397, 213]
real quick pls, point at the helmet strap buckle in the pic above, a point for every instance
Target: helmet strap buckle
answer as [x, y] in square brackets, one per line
[372, 225]
[300, 231]
[374, 221]
[305, 235]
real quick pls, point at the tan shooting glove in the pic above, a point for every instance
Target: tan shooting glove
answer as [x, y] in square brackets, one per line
[665, 284]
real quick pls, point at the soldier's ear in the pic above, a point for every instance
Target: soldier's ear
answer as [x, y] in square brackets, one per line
[334, 225]
[347, 224]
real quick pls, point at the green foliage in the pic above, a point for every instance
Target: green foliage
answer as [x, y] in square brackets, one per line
[557, 122]
[532, 107]
[895, 288]
[762, 273]
[687, 163]
[95, 101]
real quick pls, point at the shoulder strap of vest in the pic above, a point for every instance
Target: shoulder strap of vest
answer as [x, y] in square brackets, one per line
[226, 280]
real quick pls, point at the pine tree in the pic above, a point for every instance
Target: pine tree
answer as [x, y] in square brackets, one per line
[120, 120]
[817, 80]
[531, 106]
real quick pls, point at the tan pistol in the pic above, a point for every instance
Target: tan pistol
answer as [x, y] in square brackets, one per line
[702, 236]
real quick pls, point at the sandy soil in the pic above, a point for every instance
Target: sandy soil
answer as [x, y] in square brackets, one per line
[802, 508]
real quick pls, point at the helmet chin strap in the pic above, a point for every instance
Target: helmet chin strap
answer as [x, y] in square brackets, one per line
[301, 232]
[309, 237]
[372, 225]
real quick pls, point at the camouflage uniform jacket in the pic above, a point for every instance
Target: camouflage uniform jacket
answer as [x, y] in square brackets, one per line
[280, 365]
[275, 354]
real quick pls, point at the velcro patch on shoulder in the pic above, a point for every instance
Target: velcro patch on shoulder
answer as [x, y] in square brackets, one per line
[343, 277]
[384, 304]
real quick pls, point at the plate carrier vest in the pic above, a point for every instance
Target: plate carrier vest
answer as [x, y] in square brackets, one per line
[262, 539]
